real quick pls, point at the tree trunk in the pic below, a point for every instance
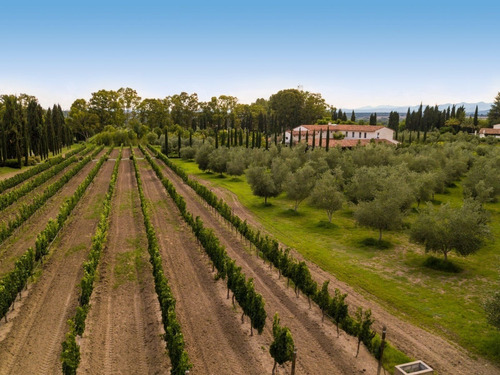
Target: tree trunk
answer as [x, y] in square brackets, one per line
[233, 299]
[330, 214]
[242, 318]
[274, 368]
[265, 201]
[309, 300]
[251, 329]
[322, 316]
[338, 332]
[227, 292]
[359, 343]
[445, 255]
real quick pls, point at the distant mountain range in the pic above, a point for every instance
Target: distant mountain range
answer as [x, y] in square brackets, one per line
[483, 108]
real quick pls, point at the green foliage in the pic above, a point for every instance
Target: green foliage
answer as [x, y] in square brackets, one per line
[326, 195]
[282, 347]
[494, 113]
[299, 184]
[261, 182]
[446, 229]
[362, 327]
[70, 355]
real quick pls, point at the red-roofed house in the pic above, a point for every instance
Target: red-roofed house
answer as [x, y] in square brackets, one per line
[350, 132]
[490, 132]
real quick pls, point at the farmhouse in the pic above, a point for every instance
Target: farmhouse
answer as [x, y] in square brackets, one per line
[490, 132]
[353, 135]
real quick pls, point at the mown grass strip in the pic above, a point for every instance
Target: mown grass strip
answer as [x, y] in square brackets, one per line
[70, 355]
[12, 283]
[25, 211]
[251, 302]
[15, 194]
[297, 271]
[21, 177]
[173, 336]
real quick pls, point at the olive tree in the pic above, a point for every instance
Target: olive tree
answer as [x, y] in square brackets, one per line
[326, 195]
[492, 308]
[261, 183]
[461, 229]
[299, 184]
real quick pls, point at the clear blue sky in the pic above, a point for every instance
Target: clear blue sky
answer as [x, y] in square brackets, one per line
[355, 53]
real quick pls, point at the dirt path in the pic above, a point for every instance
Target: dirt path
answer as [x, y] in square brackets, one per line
[123, 330]
[216, 341]
[444, 356]
[30, 343]
[320, 351]
[25, 236]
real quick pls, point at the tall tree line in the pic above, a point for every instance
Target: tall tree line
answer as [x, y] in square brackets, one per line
[27, 130]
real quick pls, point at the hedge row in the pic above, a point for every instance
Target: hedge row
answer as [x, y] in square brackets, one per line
[70, 355]
[25, 211]
[173, 335]
[296, 271]
[14, 281]
[243, 290]
[21, 177]
[15, 194]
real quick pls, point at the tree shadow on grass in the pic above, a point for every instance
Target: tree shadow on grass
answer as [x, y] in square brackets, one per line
[439, 264]
[373, 243]
[326, 225]
[291, 213]
[235, 179]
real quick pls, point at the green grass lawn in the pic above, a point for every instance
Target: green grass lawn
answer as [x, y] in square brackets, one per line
[448, 304]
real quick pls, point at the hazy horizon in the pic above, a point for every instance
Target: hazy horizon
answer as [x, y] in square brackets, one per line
[356, 55]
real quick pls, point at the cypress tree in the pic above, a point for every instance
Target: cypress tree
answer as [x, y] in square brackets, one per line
[165, 146]
[253, 138]
[327, 139]
[216, 138]
[344, 117]
[300, 135]
[320, 138]
[307, 137]
[291, 138]
[246, 139]
[314, 139]
[353, 116]
[453, 111]
[408, 119]
[284, 137]
[190, 139]
[476, 120]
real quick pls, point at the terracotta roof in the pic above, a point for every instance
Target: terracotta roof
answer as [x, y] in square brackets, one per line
[344, 128]
[348, 143]
[489, 131]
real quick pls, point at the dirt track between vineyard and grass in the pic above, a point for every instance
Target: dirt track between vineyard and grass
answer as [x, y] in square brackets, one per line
[123, 328]
[25, 236]
[30, 342]
[441, 354]
[320, 351]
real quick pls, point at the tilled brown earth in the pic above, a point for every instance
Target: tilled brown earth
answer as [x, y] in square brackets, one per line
[216, 341]
[123, 330]
[319, 349]
[30, 343]
[25, 236]
[444, 356]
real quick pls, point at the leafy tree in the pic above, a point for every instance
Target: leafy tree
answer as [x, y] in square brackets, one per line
[261, 183]
[483, 180]
[492, 308]
[382, 213]
[280, 169]
[202, 156]
[326, 195]
[362, 326]
[217, 160]
[373, 119]
[445, 229]
[282, 347]
[107, 106]
[299, 184]
[494, 113]
[236, 164]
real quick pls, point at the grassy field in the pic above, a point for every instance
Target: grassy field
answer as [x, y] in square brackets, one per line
[448, 304]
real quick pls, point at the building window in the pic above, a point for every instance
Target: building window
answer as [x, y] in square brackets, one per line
[359, 134]
[353, 134]
[365, 135]
[378, 135]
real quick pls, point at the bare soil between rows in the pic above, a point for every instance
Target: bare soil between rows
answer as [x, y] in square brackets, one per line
[123, 330]
[24, 237]
[30, 343]
[444, 356]
[216, 340]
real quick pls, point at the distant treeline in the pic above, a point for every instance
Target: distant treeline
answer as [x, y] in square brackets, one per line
[27, 131]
